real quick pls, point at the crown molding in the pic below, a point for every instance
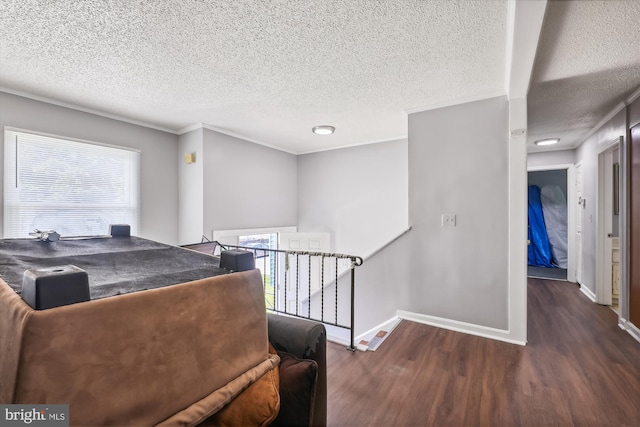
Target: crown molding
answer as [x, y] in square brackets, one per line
[190, 128]
[359, 144]
[633, 96]
[86, 110]
[234, 135]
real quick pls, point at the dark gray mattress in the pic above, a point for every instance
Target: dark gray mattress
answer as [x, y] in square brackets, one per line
[114, 265]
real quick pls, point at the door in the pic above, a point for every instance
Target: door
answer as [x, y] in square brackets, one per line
[604, 255]
[579, 218]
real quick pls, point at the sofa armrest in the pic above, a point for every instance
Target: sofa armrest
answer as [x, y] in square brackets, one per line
[305, 339]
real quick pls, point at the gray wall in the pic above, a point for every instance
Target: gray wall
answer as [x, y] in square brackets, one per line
[587, 153]
[247, 185]
[158, 165]
[551, 177]
[358, 194]
[458, 163]
[191, 188]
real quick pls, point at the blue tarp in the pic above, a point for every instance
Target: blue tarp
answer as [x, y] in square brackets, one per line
[539, 249]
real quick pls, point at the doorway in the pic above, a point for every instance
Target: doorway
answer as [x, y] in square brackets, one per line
[551, 222]
[608, 226]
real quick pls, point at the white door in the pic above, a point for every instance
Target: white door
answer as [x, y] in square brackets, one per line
[579, 218]
[604, 269]
[303, 273]
[314, 242]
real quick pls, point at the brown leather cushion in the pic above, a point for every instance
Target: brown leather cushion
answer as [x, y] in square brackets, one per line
[298, 378]
[258, 405]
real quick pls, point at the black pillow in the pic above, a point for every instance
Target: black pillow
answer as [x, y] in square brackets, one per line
[298, 378]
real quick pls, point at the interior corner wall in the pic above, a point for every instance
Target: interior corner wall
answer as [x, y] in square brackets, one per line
[159, 150]
[191, 188]
[247, 185]
[587, 154]
[458, 164]
[358, 194]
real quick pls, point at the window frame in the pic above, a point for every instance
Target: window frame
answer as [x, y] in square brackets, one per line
[10, 156]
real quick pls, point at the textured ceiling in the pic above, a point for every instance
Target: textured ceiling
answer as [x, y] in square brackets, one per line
[267, 71]
[588, 61]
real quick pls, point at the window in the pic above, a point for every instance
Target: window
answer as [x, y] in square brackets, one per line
[76, 188]
[265, 261]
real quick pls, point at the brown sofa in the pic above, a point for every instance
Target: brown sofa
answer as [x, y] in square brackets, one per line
[175, 355]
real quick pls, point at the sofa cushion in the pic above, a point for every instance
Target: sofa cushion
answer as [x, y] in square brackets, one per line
[200, 411]
[258, 405]
[298, 378]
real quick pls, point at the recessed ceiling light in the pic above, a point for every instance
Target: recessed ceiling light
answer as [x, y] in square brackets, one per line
[323, 130]
[550, 141]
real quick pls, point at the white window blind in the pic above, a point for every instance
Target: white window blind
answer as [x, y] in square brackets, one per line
[75, 188]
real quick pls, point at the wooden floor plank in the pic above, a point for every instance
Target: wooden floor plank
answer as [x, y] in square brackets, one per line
[578, 369]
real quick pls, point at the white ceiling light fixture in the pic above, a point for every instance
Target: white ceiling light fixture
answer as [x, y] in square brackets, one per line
[549, 141]
[323, 130]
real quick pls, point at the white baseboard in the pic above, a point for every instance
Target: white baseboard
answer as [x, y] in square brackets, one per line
[630, 328]
[342, 336]
[454, 325]
[588, 293]
[388, 326]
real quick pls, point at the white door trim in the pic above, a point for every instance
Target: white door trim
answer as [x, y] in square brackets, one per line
[579, 213]
[571, 213]
[604, 217]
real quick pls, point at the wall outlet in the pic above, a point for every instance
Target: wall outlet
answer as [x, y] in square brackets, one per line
[448, 220]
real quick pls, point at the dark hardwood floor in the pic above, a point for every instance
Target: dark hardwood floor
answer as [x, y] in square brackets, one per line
[578, 369]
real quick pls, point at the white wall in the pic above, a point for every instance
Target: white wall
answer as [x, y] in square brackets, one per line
[247, 185]
[191, 188]
[458, 163]
[382, 285]
[159, 151]
[550, 158]
[587, 153]
[357, 194]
